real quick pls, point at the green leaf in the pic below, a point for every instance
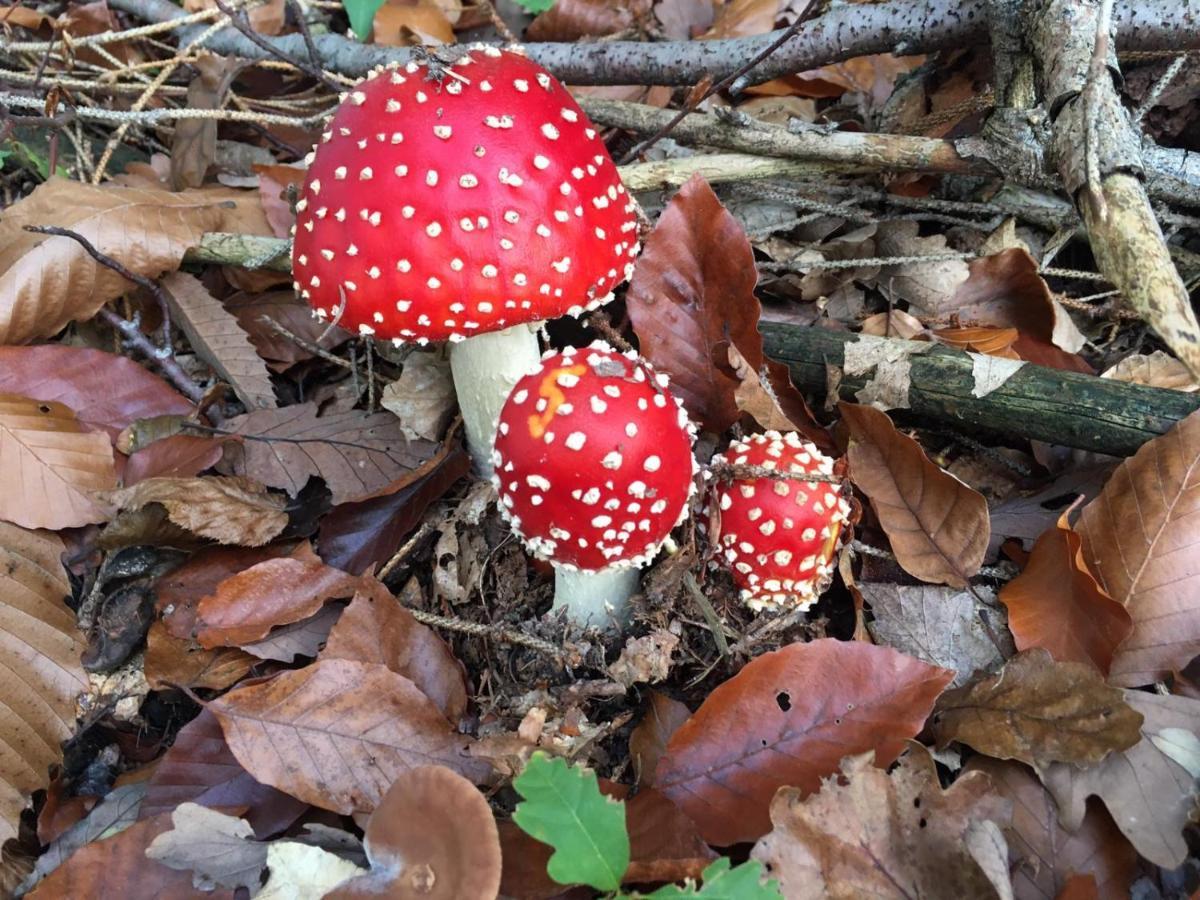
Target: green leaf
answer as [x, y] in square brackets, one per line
[724, 883]
[362, 15]
[564, 808]
[535, 6]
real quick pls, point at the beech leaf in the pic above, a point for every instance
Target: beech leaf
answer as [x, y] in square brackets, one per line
[227, 510]
[787, 718]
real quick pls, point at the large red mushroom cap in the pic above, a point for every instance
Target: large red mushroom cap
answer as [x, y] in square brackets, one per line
[449, 200]
[777, 536]
[593, 459]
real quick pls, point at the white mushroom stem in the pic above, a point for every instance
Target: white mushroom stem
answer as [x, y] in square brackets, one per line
[485, 368]
[597, 599]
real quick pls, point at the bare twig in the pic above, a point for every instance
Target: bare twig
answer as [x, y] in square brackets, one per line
[237, 18]
[133, 338]
[715, 626]
[1159, 86]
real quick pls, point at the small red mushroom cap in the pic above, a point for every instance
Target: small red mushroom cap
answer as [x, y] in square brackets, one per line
[777, 536]
[593, 459]
[449, 200]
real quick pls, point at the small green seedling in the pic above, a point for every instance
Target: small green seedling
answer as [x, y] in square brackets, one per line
[563, 807]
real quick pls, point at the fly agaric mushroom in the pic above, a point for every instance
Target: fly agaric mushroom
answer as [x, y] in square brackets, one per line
[462, 201]
[594, 468]
[778, 536]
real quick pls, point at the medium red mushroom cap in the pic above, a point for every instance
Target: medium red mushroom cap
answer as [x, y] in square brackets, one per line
[449, 200]
[593, 459]
[777, 536]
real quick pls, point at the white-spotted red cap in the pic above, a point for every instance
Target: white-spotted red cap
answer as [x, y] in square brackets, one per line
[777, 536]
[451, 200]
[593, 459]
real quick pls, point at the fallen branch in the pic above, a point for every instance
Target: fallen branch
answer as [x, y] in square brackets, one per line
[1037, 403]
[842, 33]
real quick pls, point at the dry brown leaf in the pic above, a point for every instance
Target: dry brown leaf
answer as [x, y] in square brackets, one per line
[401, 23]
[894, 324]
[570, 20]
[869, 833]
[218, 849]
[286, 309]
[938, 527]
[1150, 795]
[246, 606]
[226, 510]
[683, 20]
[1141, 539]
[47, 282]
[788, 718]
[337, 733]
[194, 145]
[266, 18]
[1045, 855]
[646, 659]
[981, 339]
[928, 286]
[1157, 369]
[743, 18]
[1039, 711]
[356, 453]
[756, 399]
[217, 338]
[178, 662]
[50, 466]
[274, 183]
[648, 740]
[1056, 603]
[423, 398]
[40, 659]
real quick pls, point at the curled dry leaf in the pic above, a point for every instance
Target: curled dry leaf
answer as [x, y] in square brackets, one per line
[215, 335]
[432, 836]
[226, 510]
[52, 466]
[246, 606]
[47, 282]
[570, 20]
[1056, 603]
[928, 286]
[788, 718]
[1141, 538]
[871, 833]
[375, 628]
[171, 662]
[1150, 795]
[400, 23]
[356, 453]
[40, 657]
[1045, 855]
[1039, 711]
[286, 309]
[645, 659]
[337, 733]
[938, 527]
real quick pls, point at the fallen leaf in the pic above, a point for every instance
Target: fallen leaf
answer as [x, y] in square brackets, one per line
[1157, 369]
[432, 835]
[980, 339]
[303, 638]
[1027, 516]
[660, 834]
[645, 660]
[356, 453]
[927, 286]
[180, 456]
[47, 282]
[199, 768]
[787, 718]
[423, 398]
[303, 872]
[215, 335]
[570, 20]
[938, 527]
[1046, 855]
[226, 510]
[683, 20]
[755, 398]
[990, 373]
[375, 628]
[942, 626]
[284, 309]
[246, 606]
[274, 182]
[1150, 796]
[649, 738]
[219, 850]
[890, 360]
[1140, 539]
[52, 466]
[265, 19]
[871, 833]
[1056, 603]
[40, 657]
[1039, 711]
[178, 592]
[337, 733]
[985, 843]
[398, 22]
[194, 144]
[742, 18]
[177, 662]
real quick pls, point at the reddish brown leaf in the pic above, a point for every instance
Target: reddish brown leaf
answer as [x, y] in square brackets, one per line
[304, 638]
[375, 628]
[1055, 603]
[874, 834]
[338, 733]
[200, 769]
[180, 591]
[1081, 887]
[273, 184]
[981, 339]
[648, 741]
[524, 865]
[285, 309]
[570, 20]
[172, 661]
[1039, 711]
[433, 828]
[180, 456]
[788, 718]
[938, 527]
[246, 606]
[1047, 856]
[1141, 538]
[659, 830]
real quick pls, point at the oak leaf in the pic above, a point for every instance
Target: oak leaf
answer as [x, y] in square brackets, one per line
[938, 527]
[871, 833]
[226, 510]
[218, 849]
[787, 718]
[1039, 711]
[1141, 538]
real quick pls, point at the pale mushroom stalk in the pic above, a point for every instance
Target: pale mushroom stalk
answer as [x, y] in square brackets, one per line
[598, 597]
